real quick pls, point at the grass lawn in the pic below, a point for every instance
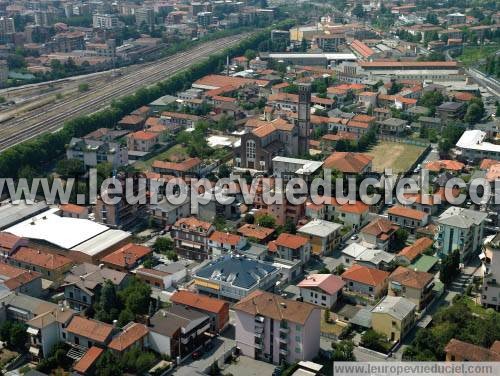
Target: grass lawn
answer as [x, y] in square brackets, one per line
[330, 328]
[395, 155]
[472, 54]
[174, 154]
[477, 308]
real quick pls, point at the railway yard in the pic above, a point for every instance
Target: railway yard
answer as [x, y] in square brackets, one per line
[40, 109]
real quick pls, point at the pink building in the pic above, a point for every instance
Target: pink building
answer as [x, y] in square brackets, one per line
[277, 330]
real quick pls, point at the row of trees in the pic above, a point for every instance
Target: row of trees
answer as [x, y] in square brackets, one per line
[41, 151]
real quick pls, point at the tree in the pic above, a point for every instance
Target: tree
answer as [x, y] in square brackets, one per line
[224, 171]
[473, 114]
[373, 340]
[358, 11]
[249, 218]
[290, 226]
[450, 267]
[18, 338]
[83, 87]
[339, 269]
[327, 315]
[108, 365]
[266, 220]
[136, 296]
[250, 54]
[432, 19]
[400, 237]
[163, 245]
[324, 270]
[343, 351]
[220, 223]
[70, 168]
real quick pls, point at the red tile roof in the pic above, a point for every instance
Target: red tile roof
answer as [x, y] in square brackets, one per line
[193, 223]
[72, 208]
[90, 357]
[380, 227]
[365, 275]
[40, 258]
[362, 48]
[358, 207]
[131, 333]
[143, 135]
[449, 165]
[255, 231]
[198, 301]
[224, 238]
[291, 241]
[348, 162]
[411, 278]
[13, 277]
[91, 329]
[410, 64]
[127, 255]
[411, 252]
[329, 283]
[8, 240]
[215, 80]
[401, 211]
[470, 352]
[184, 166]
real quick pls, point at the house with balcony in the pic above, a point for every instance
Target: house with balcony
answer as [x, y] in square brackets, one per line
[277, 330]
[292, 248]
[407, 218]
[92, 152]
[47, 329]
[191, 237]
[490, 258]
[221, 243]
[365, 281]
[460, 229]
[177, 331]
[379, 233]
[324, 236]
[85, 333]
[324, 290]
[413, 285]
[84, 281]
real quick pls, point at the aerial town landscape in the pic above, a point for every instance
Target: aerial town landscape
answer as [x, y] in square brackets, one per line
[250, 188]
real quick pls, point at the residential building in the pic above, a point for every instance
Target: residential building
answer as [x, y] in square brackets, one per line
[142, 141]
[379, 233]
[86, 333]
[450, 111]
[191, 167]
[293, 248]
[393, 126]
[105, 21]
[460, 351]
[289, 168]
[277, 330]
[234, 277]
[408, 218]
[83, 282]
[93, 152]
[74, 211]
[145, 16]
[16, 306]
[410, 253]
[221, 243]
[323, 236]
[9, 243]
[352, 215]
[394, 317]
[48, 329]
[216, 309]
[132, 335]
[177, 331]
[324, 290]
[127, 257]
[259, 233]
[413, 285]
[490, 257]
[50, 266]
[365, 281]
[20, 280]
[191, 237]
[87, 363]
[460, 229]
[349, 163]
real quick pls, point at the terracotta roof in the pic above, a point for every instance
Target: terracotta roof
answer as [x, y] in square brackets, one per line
[179, 115]
[411, 278]
[90, 357]
[177, 166]
[8, 240]
[365, 275]
[40, 258]
[143, 135]
[72, 208]
[224, 238]
[364, 118]
[450, 165]
[13, 277]
[291, 241]
[283, 97]
[131, 333]
[329, 283]
[380, 227]
[255, 231]
[362, 48]
[470, 352]
[348, 162]
[358, 207]
[91, 329]
[274, 306]
[198, 301]
[127, 255]
[131, 119]
[192, 223]
[401, 211]
[340, 136]
[485, 164]
[412, 251]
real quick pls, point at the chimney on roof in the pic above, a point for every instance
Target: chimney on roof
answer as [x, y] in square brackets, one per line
[283, 304]
[115, 323]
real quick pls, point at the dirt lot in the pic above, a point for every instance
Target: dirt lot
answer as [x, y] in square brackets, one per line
[397, 156]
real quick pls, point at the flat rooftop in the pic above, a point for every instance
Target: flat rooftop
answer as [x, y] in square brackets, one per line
[13, 213]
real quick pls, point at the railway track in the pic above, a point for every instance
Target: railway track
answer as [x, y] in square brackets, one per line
[52, 118]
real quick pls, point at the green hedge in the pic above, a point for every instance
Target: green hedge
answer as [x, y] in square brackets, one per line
[43, 150]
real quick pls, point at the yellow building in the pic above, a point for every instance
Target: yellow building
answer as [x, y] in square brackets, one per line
[324, 236]
[394, 317]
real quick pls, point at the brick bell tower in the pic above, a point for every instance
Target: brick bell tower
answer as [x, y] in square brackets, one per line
[304, 117]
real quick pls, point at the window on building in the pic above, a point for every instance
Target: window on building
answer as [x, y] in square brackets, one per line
[251, 149]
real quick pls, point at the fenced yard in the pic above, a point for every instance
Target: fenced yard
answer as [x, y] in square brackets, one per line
[397, 156]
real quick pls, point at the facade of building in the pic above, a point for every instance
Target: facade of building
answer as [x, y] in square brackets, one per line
[394, 317]
[324, 236]
[191, 237]
[490, 257]
[413, 285]
[94, 152]
[324, 290]
[277, 330]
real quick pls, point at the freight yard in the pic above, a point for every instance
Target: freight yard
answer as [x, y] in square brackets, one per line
[40, 111]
